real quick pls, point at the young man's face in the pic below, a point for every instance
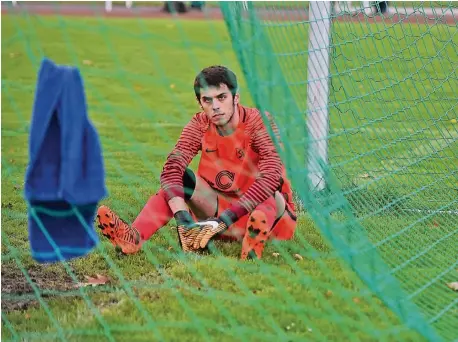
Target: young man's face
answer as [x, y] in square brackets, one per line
[218, 103]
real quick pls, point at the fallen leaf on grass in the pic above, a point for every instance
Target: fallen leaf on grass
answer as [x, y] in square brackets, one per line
[99, 280]
[328, 293]
[8, 205]
[298, 256]
[356, 300]
[453, 286]
[276, 255]
[365, 175]
[87, 62]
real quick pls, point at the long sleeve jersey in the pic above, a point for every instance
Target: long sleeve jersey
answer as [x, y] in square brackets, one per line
[244, 164]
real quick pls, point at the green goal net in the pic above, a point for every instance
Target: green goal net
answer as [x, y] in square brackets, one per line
[366, 107]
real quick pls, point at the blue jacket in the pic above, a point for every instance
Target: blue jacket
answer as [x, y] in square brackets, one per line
[65, 176]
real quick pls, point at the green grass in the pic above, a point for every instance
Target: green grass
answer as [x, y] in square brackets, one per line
[138, 76]
[393, 138]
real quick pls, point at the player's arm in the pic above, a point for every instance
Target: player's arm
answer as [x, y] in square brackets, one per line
[270, 172]
[186, 148]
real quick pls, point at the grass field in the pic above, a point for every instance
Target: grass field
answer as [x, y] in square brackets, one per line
[138, 76]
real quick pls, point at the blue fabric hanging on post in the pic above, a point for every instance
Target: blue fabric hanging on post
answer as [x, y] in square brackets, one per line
[65, 177]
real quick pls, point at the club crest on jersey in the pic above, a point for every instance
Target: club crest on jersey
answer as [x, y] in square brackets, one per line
[240, 153]
[224, 179]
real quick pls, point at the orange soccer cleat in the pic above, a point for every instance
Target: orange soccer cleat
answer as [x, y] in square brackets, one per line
[256, 235]
[118, 231]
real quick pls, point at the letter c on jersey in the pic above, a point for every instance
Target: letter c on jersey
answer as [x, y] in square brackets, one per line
[224, 179]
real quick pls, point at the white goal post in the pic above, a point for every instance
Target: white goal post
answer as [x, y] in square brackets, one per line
[318, 90]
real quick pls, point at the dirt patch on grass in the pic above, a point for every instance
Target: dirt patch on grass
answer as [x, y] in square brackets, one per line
[18, 292]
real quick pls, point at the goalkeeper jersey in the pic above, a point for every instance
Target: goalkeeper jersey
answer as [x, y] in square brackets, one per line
[244, 165]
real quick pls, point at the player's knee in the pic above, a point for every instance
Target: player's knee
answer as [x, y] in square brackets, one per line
[189, 183]
[280, 203]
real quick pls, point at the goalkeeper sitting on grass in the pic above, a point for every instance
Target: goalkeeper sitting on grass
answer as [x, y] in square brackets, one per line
[239, 192]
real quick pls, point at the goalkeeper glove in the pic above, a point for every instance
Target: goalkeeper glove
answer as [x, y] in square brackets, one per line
[212, 227]
[187, 229]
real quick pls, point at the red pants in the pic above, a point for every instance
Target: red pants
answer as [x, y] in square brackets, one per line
[156, 213]
[283, 227]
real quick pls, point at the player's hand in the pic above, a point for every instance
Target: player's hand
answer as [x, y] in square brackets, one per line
[187, 229]
[212, 227]
[208, 229]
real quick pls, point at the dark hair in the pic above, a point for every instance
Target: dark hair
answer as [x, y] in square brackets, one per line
[213, 76]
